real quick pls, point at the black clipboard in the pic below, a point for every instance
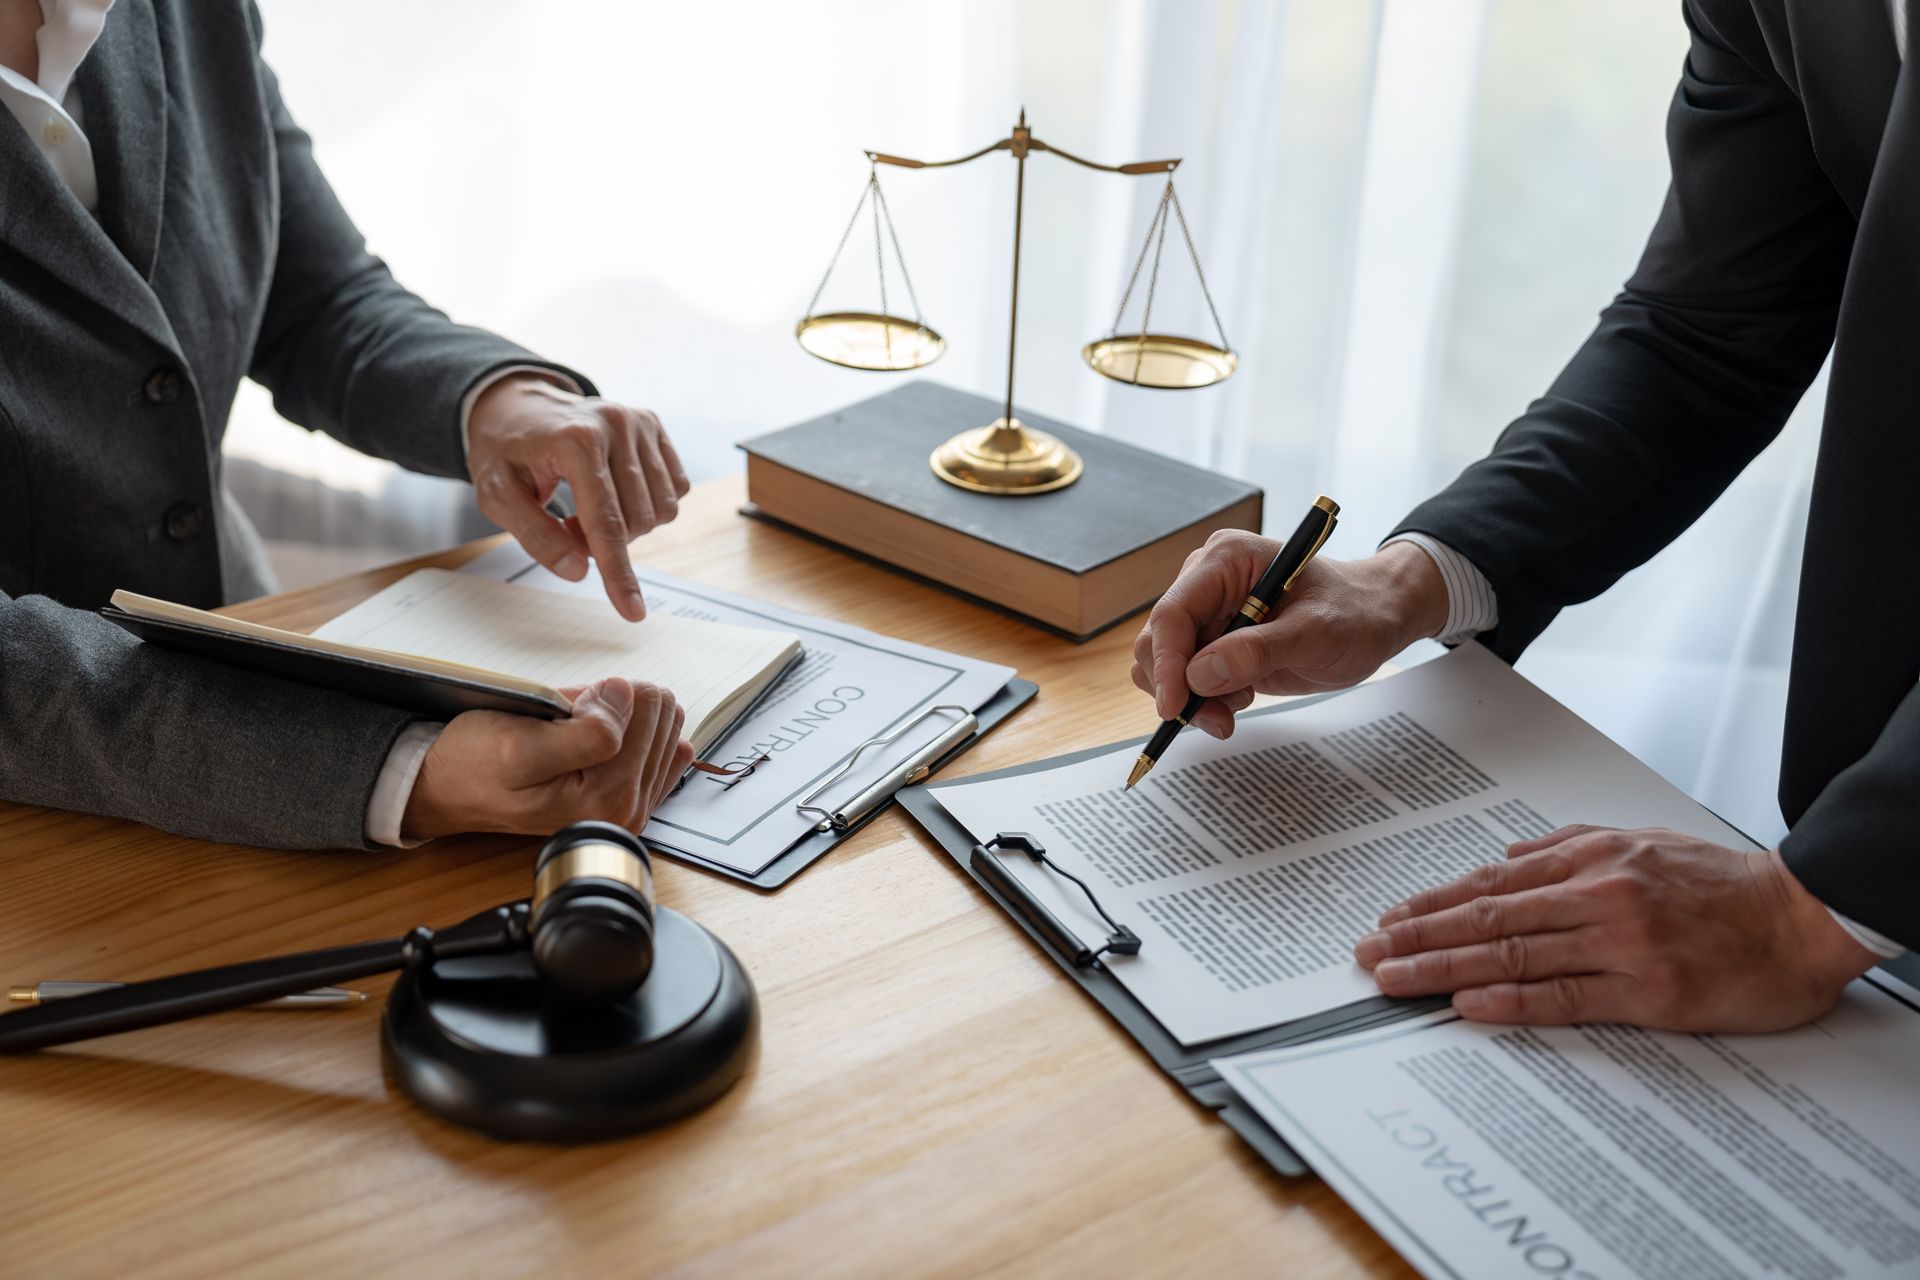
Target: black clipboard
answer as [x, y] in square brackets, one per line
[1188, 1066]
[810, 848]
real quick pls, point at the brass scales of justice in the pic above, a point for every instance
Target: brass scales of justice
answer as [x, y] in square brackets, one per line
[1006, 457]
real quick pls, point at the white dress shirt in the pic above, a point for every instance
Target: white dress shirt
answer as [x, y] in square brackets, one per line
[45, 107]
[49, 109]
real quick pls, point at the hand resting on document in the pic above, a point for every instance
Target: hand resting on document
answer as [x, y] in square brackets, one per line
[614, 759]
[1342, 619]
[525, 435]
[1592, 924]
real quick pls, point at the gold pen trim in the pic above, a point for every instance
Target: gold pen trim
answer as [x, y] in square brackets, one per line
[1332, 509]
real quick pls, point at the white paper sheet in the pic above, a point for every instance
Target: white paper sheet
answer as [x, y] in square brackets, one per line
[852, 685]
[1250, 867]
[1602, 1151]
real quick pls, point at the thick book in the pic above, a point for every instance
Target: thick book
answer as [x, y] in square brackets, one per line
[442, 643]
[1076, 560]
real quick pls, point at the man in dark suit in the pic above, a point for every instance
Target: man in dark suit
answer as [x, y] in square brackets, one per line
[164, 232]
[1793, 217]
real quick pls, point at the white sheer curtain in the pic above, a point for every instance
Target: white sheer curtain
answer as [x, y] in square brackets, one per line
[1409, 211]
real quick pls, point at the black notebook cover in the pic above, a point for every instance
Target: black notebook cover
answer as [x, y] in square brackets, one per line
[442, 697]
[1127, 498]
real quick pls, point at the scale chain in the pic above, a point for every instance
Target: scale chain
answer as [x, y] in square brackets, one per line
[880, 264]
[840, 248]
[1146, 312]
[900, 258]
[1134, 279]
[1198, 273]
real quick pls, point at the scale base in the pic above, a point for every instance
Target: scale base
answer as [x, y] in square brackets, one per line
[477, 1042]
[1006, 458]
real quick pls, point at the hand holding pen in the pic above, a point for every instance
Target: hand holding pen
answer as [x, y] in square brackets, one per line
[1339, 622]
[1201, 597]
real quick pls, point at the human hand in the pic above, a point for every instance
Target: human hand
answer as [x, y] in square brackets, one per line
[525, 435]
[1592, 924]
[1341, 620]
[614, 759]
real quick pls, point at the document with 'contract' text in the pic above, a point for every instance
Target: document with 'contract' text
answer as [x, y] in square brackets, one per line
[1593, 1152]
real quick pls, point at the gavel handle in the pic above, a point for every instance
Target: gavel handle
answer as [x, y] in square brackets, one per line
[235, 986]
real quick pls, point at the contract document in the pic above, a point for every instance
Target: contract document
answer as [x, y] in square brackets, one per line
[1250, 867]
[1596, 1152]
[850, 686]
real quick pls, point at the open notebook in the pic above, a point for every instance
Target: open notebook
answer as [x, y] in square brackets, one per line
[443, 643]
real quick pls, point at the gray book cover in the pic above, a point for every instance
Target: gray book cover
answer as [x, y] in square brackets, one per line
[1127, 498]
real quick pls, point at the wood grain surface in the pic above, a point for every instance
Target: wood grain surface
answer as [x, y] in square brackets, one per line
[931, 1096]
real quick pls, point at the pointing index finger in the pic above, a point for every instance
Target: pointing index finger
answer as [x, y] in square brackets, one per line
[606, 532]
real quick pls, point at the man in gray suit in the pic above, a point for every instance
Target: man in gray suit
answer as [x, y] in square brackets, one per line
[164, 232]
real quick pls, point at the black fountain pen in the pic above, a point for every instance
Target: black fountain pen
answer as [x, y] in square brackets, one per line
[1267, 595]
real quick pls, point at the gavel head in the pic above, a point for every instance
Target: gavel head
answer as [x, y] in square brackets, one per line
[591, 922]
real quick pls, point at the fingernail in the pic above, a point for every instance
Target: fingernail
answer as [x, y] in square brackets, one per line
[1392, 973]
[1472, 1001]
[571, 566]
[1372, 949]
[1394, 915]
[636, 604]
[617, 694]
[1207, 673]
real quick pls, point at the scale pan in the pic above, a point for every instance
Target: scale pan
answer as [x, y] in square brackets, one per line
[866, 340]
[1160, 360]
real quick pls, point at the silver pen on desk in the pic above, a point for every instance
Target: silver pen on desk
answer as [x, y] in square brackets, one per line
[319, 998]
[914, 770]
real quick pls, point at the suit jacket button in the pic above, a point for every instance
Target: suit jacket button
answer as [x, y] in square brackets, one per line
[183, 521]
[162, 387]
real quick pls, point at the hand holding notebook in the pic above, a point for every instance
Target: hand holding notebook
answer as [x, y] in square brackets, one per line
[451, 644]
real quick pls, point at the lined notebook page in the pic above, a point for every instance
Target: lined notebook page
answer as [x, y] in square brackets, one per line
[562, 640]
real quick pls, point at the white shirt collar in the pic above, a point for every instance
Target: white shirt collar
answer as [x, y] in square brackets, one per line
[69, 29]
[67, 34]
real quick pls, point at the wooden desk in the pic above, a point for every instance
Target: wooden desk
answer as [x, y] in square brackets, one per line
[931, 1096]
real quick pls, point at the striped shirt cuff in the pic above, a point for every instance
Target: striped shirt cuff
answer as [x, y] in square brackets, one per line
[1471, 605]
[1878, 943]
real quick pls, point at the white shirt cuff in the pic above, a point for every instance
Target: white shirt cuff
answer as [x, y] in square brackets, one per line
[394, 787]
[1878, 943]
[479, 389]
[1471, 604]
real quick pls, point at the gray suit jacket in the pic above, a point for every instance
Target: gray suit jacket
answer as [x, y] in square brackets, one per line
[219, 253]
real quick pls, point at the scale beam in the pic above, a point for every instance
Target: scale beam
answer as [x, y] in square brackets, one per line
[1019, 144]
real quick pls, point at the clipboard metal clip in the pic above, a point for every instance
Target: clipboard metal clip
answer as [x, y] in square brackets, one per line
[882, 789]
[1122, 941]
